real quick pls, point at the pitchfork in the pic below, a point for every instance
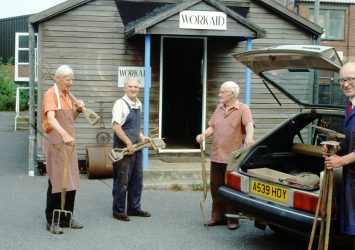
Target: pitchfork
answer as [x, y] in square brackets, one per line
[56, 217]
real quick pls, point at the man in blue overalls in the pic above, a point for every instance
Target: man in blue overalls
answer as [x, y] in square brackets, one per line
[346, 157]
[128, 172]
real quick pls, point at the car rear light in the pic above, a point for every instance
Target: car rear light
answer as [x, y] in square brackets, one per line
[305, 201]
[233, 180]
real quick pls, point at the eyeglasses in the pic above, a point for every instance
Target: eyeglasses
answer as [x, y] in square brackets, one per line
[224, 92]
[349, 80]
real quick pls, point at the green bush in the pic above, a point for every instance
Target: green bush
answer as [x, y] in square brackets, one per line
[8, 89]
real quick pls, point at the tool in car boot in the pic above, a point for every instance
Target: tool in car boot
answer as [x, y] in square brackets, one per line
[90, 115]
[58, 213]
[331, 134]
[324, 206]
[117, 154]
[204, 183]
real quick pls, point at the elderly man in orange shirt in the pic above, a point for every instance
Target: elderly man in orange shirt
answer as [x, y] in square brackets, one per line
[59, 114]
[232, 126]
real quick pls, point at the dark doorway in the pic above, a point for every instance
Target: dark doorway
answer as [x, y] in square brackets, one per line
[182, 91]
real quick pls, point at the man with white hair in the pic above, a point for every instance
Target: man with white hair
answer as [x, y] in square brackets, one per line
[231, 126]
[59, 114]
[128, 172]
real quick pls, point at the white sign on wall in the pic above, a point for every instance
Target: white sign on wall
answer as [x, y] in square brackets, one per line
[207, 20]
[124, 71]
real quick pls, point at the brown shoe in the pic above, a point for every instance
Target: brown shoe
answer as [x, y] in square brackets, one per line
[140, 213]
[233, 224]
[122, 217]
[215, 222]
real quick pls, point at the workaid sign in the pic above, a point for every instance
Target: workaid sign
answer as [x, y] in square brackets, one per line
[207, 20]
[124, 71]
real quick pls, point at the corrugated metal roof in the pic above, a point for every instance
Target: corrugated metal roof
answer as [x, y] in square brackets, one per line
[331, 1]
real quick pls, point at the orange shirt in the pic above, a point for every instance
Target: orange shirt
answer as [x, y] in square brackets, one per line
[228, 130]
[50, 103]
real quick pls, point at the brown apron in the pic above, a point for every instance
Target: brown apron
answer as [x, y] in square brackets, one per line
[55, 155]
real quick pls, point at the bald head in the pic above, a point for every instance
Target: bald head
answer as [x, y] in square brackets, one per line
[347, 79]
[347, 66]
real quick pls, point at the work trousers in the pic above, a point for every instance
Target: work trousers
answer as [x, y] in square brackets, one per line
[127, 184]
[54, 202]
[219, 206]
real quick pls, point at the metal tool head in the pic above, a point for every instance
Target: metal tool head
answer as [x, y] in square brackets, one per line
[91, 116]
[57, 217]
[330, 143]
[157, 143]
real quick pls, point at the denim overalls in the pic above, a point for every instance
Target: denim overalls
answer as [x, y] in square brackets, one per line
[128, 172]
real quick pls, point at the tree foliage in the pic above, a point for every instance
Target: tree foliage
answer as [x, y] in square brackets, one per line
[8, 89]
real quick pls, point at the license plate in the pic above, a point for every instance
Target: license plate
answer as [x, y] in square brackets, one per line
[268, 190]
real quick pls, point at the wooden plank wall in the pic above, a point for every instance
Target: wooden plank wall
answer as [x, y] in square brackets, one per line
[91, 40]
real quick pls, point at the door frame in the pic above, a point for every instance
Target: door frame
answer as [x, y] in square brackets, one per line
[204, 92]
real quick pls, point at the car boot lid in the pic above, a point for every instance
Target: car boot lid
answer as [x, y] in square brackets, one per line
[300, 63]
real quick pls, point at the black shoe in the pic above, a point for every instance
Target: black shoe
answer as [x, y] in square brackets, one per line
[140, 213]
[74, 224]
[55, 229]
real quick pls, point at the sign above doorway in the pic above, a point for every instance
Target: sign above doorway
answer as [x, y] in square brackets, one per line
[207, 20]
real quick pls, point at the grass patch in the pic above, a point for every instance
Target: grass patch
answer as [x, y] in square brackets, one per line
[198, 187]
[176, 187]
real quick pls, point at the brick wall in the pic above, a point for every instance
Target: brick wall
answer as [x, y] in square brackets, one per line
[351, 33]
[346, 46]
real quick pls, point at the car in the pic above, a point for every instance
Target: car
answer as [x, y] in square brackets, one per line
[276, 182]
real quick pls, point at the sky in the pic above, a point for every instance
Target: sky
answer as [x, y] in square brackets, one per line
[11, 8]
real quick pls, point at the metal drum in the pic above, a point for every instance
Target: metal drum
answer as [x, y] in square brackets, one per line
[98, 163]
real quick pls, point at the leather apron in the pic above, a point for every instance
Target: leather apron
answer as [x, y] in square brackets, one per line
[55, 154]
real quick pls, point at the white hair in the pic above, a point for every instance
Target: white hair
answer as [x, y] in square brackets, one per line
[63, 70]
[130, 79]
[232, 86]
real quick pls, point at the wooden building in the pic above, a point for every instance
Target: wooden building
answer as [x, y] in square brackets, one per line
[188, 45]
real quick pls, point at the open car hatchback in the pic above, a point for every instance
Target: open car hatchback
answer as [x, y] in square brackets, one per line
[276, 182]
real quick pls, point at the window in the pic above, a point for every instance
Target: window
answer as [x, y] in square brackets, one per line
[333, 23]
[22, 63]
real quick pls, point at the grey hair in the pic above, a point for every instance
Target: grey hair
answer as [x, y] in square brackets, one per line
[232, 86]
[129, 79]
[63, 70]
